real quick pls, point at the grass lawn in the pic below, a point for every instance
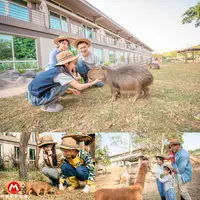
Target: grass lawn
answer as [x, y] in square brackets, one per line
[7, 176]
[174, 101]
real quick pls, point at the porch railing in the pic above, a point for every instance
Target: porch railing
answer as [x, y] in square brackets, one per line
[22, 13]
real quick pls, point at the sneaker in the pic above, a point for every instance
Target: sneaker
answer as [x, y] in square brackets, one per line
[52, 107]
[99, 84]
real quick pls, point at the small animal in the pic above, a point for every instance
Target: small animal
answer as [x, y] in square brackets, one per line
[127, 77]
[39, 187]
[125, 179]
[154, 66]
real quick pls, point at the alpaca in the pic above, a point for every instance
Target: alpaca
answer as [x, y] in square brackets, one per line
[125, 179]
[133, 192]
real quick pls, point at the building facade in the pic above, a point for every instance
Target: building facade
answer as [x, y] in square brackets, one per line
[9, 145]
[28, 27]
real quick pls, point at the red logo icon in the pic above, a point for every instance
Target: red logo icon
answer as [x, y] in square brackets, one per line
[13, 187]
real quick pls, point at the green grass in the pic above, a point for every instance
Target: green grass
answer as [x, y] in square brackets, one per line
[174, 101]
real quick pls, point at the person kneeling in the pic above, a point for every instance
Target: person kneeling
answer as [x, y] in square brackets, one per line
[77, 167]
[46, 89]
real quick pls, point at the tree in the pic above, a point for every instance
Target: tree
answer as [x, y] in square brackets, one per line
[24, 48]
[128, 144]
[153, 143]
[192, 14]
[23, 145]
[101, 154]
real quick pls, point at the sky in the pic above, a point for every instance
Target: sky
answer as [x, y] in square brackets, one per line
[56, 136]
[107, 140]
[155, 22]
[191, 142]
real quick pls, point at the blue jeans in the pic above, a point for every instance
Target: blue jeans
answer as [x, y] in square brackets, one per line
[48, 97]
[160, 188]
[81, 172]
[170, 194]
[52, 174]
[83, 70]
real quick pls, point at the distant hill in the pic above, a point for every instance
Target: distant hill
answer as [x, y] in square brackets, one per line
[195, 152]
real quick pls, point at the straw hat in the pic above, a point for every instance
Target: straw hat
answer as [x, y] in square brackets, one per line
[69, 143]
[65, 57]
[75, 43]
[78, 136]
[61, 37]
[46, 139]
[168, 166]
[174, 141]
[160, 156]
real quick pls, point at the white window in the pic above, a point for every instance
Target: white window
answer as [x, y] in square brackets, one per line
[99, 54]
[17, 52]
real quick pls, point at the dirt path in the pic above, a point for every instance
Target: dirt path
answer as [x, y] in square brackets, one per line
[14, 91]
[108, 180]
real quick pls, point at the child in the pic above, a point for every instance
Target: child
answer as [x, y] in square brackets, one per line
[171, 155]
[167, 180]
[77, 167]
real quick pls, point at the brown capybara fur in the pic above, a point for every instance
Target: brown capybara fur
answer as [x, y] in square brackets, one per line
[38, 187]
[124, 78]
[133, 192]
[154, 66]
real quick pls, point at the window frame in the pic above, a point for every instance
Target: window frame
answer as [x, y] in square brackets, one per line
[30, 153]
[13, 52]
[16, 154]
[102, 55]
[109, 55]
[61, 25]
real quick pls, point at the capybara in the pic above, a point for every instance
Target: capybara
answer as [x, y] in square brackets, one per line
[38, 187]
[128, 77]
[154, 66]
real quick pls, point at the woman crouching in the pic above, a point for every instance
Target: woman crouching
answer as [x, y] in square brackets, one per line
[53, 159]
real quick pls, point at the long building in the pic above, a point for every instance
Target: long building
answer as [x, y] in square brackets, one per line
[27, 28]
[9, 145]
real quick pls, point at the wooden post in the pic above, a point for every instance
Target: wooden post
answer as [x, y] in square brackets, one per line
[23, 145]
[162, 143]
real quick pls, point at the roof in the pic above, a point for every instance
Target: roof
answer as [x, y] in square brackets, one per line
[195, 48]
[96, 16]
[124, 153]
[130, 158]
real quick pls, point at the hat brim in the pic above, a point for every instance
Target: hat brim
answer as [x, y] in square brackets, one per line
[160, 157]
[67, 60]
[75, 43]
[78, 137]
[69, 147]
[174, 143]
[56, 40]
[169, 167]
[45, 143]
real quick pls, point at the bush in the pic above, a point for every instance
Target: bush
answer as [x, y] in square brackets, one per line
[107, 64]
